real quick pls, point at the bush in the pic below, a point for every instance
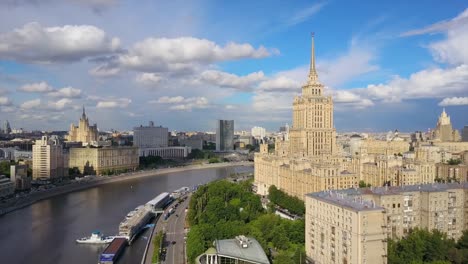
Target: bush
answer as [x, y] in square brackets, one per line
[213, 160]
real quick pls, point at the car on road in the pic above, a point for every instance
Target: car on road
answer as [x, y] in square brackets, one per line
[173, 242]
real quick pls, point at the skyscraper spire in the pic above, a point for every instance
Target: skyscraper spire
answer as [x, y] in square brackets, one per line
[84, 113]
[313, 76]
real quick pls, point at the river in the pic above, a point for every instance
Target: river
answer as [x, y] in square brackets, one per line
[45, 232]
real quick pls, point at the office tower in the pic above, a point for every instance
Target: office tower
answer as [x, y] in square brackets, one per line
[225, 135]
[150, 136]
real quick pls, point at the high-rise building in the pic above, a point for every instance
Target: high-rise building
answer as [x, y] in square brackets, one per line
[150, 136]
[19, 176]
[312, 133]
[6, 127]
[306, 159]
[83, 133]
[444, 131]
[465, 134]
[258, 132]
[225, 135]
[49, 159]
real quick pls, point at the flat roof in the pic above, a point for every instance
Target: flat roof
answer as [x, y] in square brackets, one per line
[232, 248]
[351, 198]
[158, 198]
[338, 198]
[429, 187]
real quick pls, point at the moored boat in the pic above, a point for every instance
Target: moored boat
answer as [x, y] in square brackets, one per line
[95, 238]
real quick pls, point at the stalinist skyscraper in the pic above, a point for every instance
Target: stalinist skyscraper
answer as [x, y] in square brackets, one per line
[306, 160]
[83, 132]
[312, 133]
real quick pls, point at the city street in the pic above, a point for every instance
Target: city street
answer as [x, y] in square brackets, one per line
[174, 242]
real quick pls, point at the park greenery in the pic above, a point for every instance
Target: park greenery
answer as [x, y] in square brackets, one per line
[153, 162]
[201, 154]
[5, 167]
[422, 246]
[157, 243]
[285, 201]
[223, 210]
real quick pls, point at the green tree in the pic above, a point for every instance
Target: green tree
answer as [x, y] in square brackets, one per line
[454, 161]
[283, 200]
[363, 184]
[5, 167]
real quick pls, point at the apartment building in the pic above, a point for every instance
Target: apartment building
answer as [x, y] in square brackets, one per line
[347, 230]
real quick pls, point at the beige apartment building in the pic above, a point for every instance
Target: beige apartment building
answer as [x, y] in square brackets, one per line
[49, 159]
[391, 212]
[343, 230]
[95, 161]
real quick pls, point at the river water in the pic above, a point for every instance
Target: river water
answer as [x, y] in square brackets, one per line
[45, 232]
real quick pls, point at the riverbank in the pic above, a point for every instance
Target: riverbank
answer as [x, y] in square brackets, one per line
[35, 197]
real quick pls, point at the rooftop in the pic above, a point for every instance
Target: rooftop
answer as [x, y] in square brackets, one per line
[252, 251]
[340, 198]
[352, 199]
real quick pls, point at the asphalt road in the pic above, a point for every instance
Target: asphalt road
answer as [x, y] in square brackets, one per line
[175, 233]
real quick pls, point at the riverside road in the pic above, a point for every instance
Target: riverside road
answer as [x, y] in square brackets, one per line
[45, 231]
[174, 227]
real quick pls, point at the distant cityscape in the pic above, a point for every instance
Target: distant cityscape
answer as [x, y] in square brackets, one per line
[358, 189]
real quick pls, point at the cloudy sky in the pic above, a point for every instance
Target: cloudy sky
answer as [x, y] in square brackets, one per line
[184, 64]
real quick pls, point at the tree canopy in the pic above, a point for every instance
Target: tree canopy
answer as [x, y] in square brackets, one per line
[422, 246]
[283, 200]
[223, 210]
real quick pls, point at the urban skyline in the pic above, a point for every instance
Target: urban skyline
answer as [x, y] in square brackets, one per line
[382, 75]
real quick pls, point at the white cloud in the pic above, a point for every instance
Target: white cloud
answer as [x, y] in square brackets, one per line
[41, 87]
[452, 49]
[184, 54]
[104, 71]
[114, 103]
[182, 103]
[280, 84]
[8, 109]
[431, 83]
[149, 79]
[44, 88]
[59, 105]
[305, 13]
[35, 43]
[441, 26]
[357, 61]
[67, 92]
[347, 98]
[5, 101]
[31, 104]
[170, 100]
[224, 79]
[454, 101]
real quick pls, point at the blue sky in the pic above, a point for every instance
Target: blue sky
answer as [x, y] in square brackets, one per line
[390, 65]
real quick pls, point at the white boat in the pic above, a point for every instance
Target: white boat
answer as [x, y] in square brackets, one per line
[132, 213]
[95, 238]
[131, 226]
